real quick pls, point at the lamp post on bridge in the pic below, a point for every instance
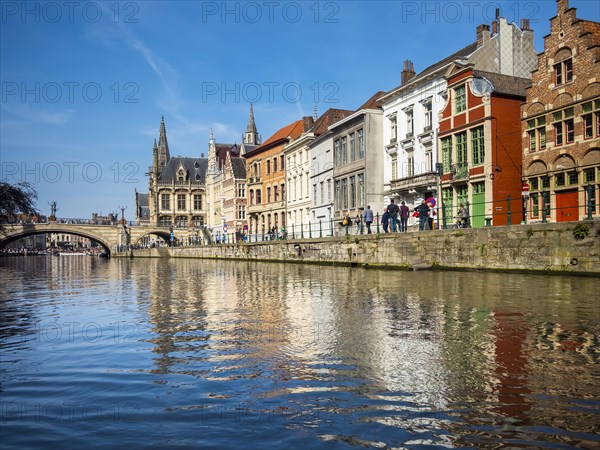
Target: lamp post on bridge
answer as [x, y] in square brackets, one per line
[53, 210]
[123, 208]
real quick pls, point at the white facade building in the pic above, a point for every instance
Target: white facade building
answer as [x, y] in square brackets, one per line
[411, 111]
[297, 174]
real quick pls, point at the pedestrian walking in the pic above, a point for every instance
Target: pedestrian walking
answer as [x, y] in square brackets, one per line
[385, 220]
[392, 210]
[359, 226]
[423, 211]
[404, 211]
[368, 218]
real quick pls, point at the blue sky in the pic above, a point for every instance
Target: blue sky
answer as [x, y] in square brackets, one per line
[84, 84]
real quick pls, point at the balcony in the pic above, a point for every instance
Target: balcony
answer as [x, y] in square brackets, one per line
[459, 171]
[254, 180]
[410, 182]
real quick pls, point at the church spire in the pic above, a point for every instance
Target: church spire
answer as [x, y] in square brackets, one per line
[163, 145]
[251, 137]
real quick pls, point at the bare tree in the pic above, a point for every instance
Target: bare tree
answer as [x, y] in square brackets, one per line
[15, 200]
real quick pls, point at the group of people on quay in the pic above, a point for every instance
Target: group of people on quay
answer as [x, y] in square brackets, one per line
[395, 218]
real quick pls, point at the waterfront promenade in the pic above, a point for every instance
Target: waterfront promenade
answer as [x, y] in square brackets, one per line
[567, 248]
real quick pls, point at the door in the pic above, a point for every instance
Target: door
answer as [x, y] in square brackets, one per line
[567, 208]
[478, 208]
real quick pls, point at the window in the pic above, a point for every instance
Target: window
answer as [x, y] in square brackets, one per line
[588, 126]
[338, 195]
[352, 148]
[241, 212]
[344, 150]
[410, 164]
[573, 177]
[361, 189]
[461, 150]
[393, 129]
[428, 115]
[563, 72]
[447, 201]
[268, 167]
[589, 175]
[352, 192]
[197, 202]
[460, 99]
[315, 192]
[241, 190]
[345, 193]
[275, 164]
[180, 202]
[282, 192]
[477, 146]
[300, 184]
[165, 202]
[394, 168]
[251, 196]
[462, 194]
[588, 118]
[428, 160]
[564, 127]
[337, 152]
[258, 197]
[361, 144]
[537, 134]
[276, 193]
[447, 153]
[322, 192]
[409, 123]
[329, 189]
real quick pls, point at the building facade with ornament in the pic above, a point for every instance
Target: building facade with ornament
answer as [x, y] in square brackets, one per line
[561, 122]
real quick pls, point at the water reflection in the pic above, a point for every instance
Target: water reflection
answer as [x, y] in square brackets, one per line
[319, 356]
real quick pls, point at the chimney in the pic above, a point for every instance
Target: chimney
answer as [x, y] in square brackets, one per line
[407, 73]
[307, 122]
[562, 5]
[494, 28]
[479, 30]
[525, 25]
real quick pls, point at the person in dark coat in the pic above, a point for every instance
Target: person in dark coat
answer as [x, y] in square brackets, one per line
[423, 211]
[385, 220]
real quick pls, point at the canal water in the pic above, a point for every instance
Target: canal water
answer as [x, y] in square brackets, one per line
[225, 355]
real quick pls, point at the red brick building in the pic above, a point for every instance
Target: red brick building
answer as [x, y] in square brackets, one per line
[561, 120]
[479, 142]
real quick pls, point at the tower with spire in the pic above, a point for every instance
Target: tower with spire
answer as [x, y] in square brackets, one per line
[251, 136]
[162, 149]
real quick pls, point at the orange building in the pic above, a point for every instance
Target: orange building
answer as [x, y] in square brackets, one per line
[561, 121]
[265, 172]
[480, 138]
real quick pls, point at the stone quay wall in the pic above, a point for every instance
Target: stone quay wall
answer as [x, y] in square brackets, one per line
[545, 248]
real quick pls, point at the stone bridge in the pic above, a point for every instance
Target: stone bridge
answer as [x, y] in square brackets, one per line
[108, 236]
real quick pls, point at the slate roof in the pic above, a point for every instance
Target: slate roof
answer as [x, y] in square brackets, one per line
[239, 168]
[195, 167]
[221, 151]
[505, 84]
[142, 199]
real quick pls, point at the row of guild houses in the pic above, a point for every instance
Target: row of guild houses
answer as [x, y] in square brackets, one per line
[511, 133]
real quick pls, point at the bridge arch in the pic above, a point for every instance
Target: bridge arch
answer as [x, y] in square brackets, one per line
[20, 231]
[136, 237]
